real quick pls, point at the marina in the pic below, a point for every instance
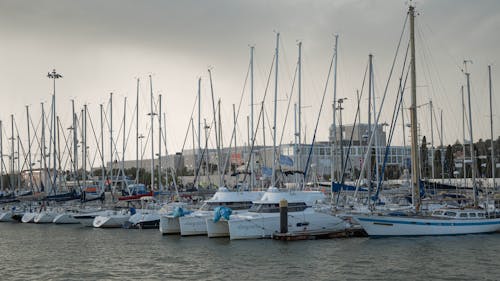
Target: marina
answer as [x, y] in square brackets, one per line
[266, 186]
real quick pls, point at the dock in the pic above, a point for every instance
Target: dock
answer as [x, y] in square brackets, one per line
[295, 236]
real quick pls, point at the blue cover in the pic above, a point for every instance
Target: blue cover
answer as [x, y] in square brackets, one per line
[180, 212]
[223, 212]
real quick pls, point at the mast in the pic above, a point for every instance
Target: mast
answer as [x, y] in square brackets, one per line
[159, 142]
[84, 145]
[234, 124]
[217, 140]
[273, 179]
[111, 151]
[123, 137]
[463, 136]
[42, 152]
[29, 148]
[102, 148]
[493, 163]
[152, 124]
[252, 160]
[334, 124]
[12, 152]
[442, 148]
[198, 158]
[18, 162]
[432, 141]
[370, 87]
[473, 158]
[298, 150]
[1, 156]
[413, 117]
[137, 133]
[59, 149]
[75, 142]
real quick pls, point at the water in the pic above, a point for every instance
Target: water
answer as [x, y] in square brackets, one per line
[57, 252]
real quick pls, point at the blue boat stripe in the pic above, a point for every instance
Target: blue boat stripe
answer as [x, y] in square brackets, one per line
[430, 223]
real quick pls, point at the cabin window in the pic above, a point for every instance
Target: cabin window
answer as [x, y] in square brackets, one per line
[450, 214]
[463, 215]
[481, 215]
[472, 215]
[438, 213]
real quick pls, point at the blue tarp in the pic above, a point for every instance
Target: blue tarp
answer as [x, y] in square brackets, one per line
[223, 212]
[285, 160]
[180, 212]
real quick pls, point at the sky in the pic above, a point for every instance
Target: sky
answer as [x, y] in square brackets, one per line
[104, 46]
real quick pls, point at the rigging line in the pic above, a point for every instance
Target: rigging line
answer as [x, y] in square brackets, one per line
[95, 137]
[261, 113]
[288, 106]
[233, 135]
[391, 133]
[352, 130]
[368, 151]
[132, 120]
[319, 115]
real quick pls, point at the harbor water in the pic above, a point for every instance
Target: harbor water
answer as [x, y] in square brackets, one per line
[56, 252]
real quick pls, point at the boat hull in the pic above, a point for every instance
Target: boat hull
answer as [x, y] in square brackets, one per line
[29, 217]
[193, 225]
[6, 217]
[217, 229]
[169, 225]
[44, 217]
[65, 218]
[113, 221]
[264, 225]
[380, 226]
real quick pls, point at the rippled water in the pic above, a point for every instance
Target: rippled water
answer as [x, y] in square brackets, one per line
[56, 252]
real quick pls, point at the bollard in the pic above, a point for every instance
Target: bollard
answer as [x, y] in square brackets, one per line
[283, 216]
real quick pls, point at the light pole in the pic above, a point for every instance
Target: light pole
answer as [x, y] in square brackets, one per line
[54, 75]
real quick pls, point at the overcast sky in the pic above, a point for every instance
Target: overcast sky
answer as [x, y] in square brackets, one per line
[104, 46]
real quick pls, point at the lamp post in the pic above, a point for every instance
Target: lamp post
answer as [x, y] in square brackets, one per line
[54, 75]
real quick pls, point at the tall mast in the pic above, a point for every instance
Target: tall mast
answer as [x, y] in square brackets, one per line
[159, 142]
[369, 170]
[217, 140]
[252, 161]
[264, 131]
[298, 150]
[463, 136]
[334, 124]
[59, 149]
[123, 137]
[18, 161]
[1, 156]
[413, 117]
[152, 124]
[273, 179]
[198, 158]
[442, 148]
[234, 125]
[84, 145]
[432, 141]
[75, 142]
[137, 133]
[473, 157]
[29, 148]
[111, 151]
[12, 152]
[42, 152]
[102, 148]
[493, 163]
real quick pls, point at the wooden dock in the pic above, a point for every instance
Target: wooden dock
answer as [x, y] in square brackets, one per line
[348, 233]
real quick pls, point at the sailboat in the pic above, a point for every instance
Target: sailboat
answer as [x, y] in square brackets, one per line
[442, 221]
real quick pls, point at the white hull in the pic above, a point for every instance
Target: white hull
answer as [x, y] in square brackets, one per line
[65, 218]
[194, 224]
[415, 226]
[169, 224]
[87, 219]
[264, 225]
[146, 219]
[6, 217]
[217, 229]
[29, 217]
[45, 217]
[113, 221]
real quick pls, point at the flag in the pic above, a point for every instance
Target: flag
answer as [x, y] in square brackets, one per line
[285, 160]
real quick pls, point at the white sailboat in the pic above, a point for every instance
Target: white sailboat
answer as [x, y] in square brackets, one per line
[442, 221]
